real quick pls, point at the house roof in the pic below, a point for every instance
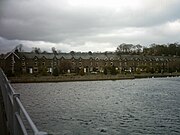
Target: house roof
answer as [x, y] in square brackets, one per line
[100, 56]
[8, 54]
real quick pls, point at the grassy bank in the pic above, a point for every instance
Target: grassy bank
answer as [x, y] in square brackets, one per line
[66, 78]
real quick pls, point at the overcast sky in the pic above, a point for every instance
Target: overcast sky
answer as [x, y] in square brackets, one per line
[87, 25]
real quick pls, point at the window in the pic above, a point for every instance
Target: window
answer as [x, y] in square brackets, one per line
[91, 59]
[106, 59]
[35, 69]
[96, 64]
[73, 63]
[120, 63]
[24, 69]
[111, 59]
[105, 64]
[125, 63]
[80, 64]
[49, 70]
[23, 63]
[43, 63]
[30, 70]
[23, 58]
[35, 58]
[35, 64]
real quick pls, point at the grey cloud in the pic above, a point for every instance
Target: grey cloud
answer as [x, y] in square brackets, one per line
[7, 45]
[58, 22]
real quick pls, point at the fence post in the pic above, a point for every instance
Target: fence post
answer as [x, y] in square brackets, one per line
[16, 110]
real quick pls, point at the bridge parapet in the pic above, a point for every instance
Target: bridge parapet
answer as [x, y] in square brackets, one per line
[18, 120]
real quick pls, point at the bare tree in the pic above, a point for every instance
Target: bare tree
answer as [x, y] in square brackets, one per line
[138, 48]
[124, 48]
[72, 52]
[36, 50]
[18, 48]
[54, 50]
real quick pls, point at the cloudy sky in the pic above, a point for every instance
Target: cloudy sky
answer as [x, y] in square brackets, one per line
[87, 25]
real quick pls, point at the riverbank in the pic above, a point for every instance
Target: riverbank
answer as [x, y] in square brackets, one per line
[67, 78]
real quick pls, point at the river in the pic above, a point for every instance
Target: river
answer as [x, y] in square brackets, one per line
[122, 107]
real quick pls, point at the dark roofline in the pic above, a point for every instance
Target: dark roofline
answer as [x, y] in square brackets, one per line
[10, 54]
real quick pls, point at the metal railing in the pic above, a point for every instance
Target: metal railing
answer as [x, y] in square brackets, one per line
[17, 116]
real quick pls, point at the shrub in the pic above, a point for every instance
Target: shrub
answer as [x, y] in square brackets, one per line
[44, 72]
[113, 70]
[105, 71]
[55, 72]
[81, 72]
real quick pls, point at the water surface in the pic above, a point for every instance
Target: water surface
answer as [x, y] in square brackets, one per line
[132, 107]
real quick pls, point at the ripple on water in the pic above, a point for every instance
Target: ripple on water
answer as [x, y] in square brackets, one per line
[133, 107]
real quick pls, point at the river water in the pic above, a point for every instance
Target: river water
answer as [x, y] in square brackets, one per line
[123, 107]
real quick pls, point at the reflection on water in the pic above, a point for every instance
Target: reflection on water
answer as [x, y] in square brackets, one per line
[135, 107]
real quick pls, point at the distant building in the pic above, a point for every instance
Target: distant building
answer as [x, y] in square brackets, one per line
[32, 63]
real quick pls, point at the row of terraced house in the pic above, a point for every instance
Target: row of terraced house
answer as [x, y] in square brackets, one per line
[32, 63]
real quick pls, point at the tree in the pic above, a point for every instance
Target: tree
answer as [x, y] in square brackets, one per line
[36, 50]
[163, 50]
[105, 71]
[119, 49]
[55, 72]
[44, 72]
[44, 52]
[138, 48]
[81, 72]
[65, 66]
[18, 48]
[54, 51]
[72, 52]
[124, 49]
[172, 48]
[127, 48]
[58, 51]
[113, 70]
[90, 53]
